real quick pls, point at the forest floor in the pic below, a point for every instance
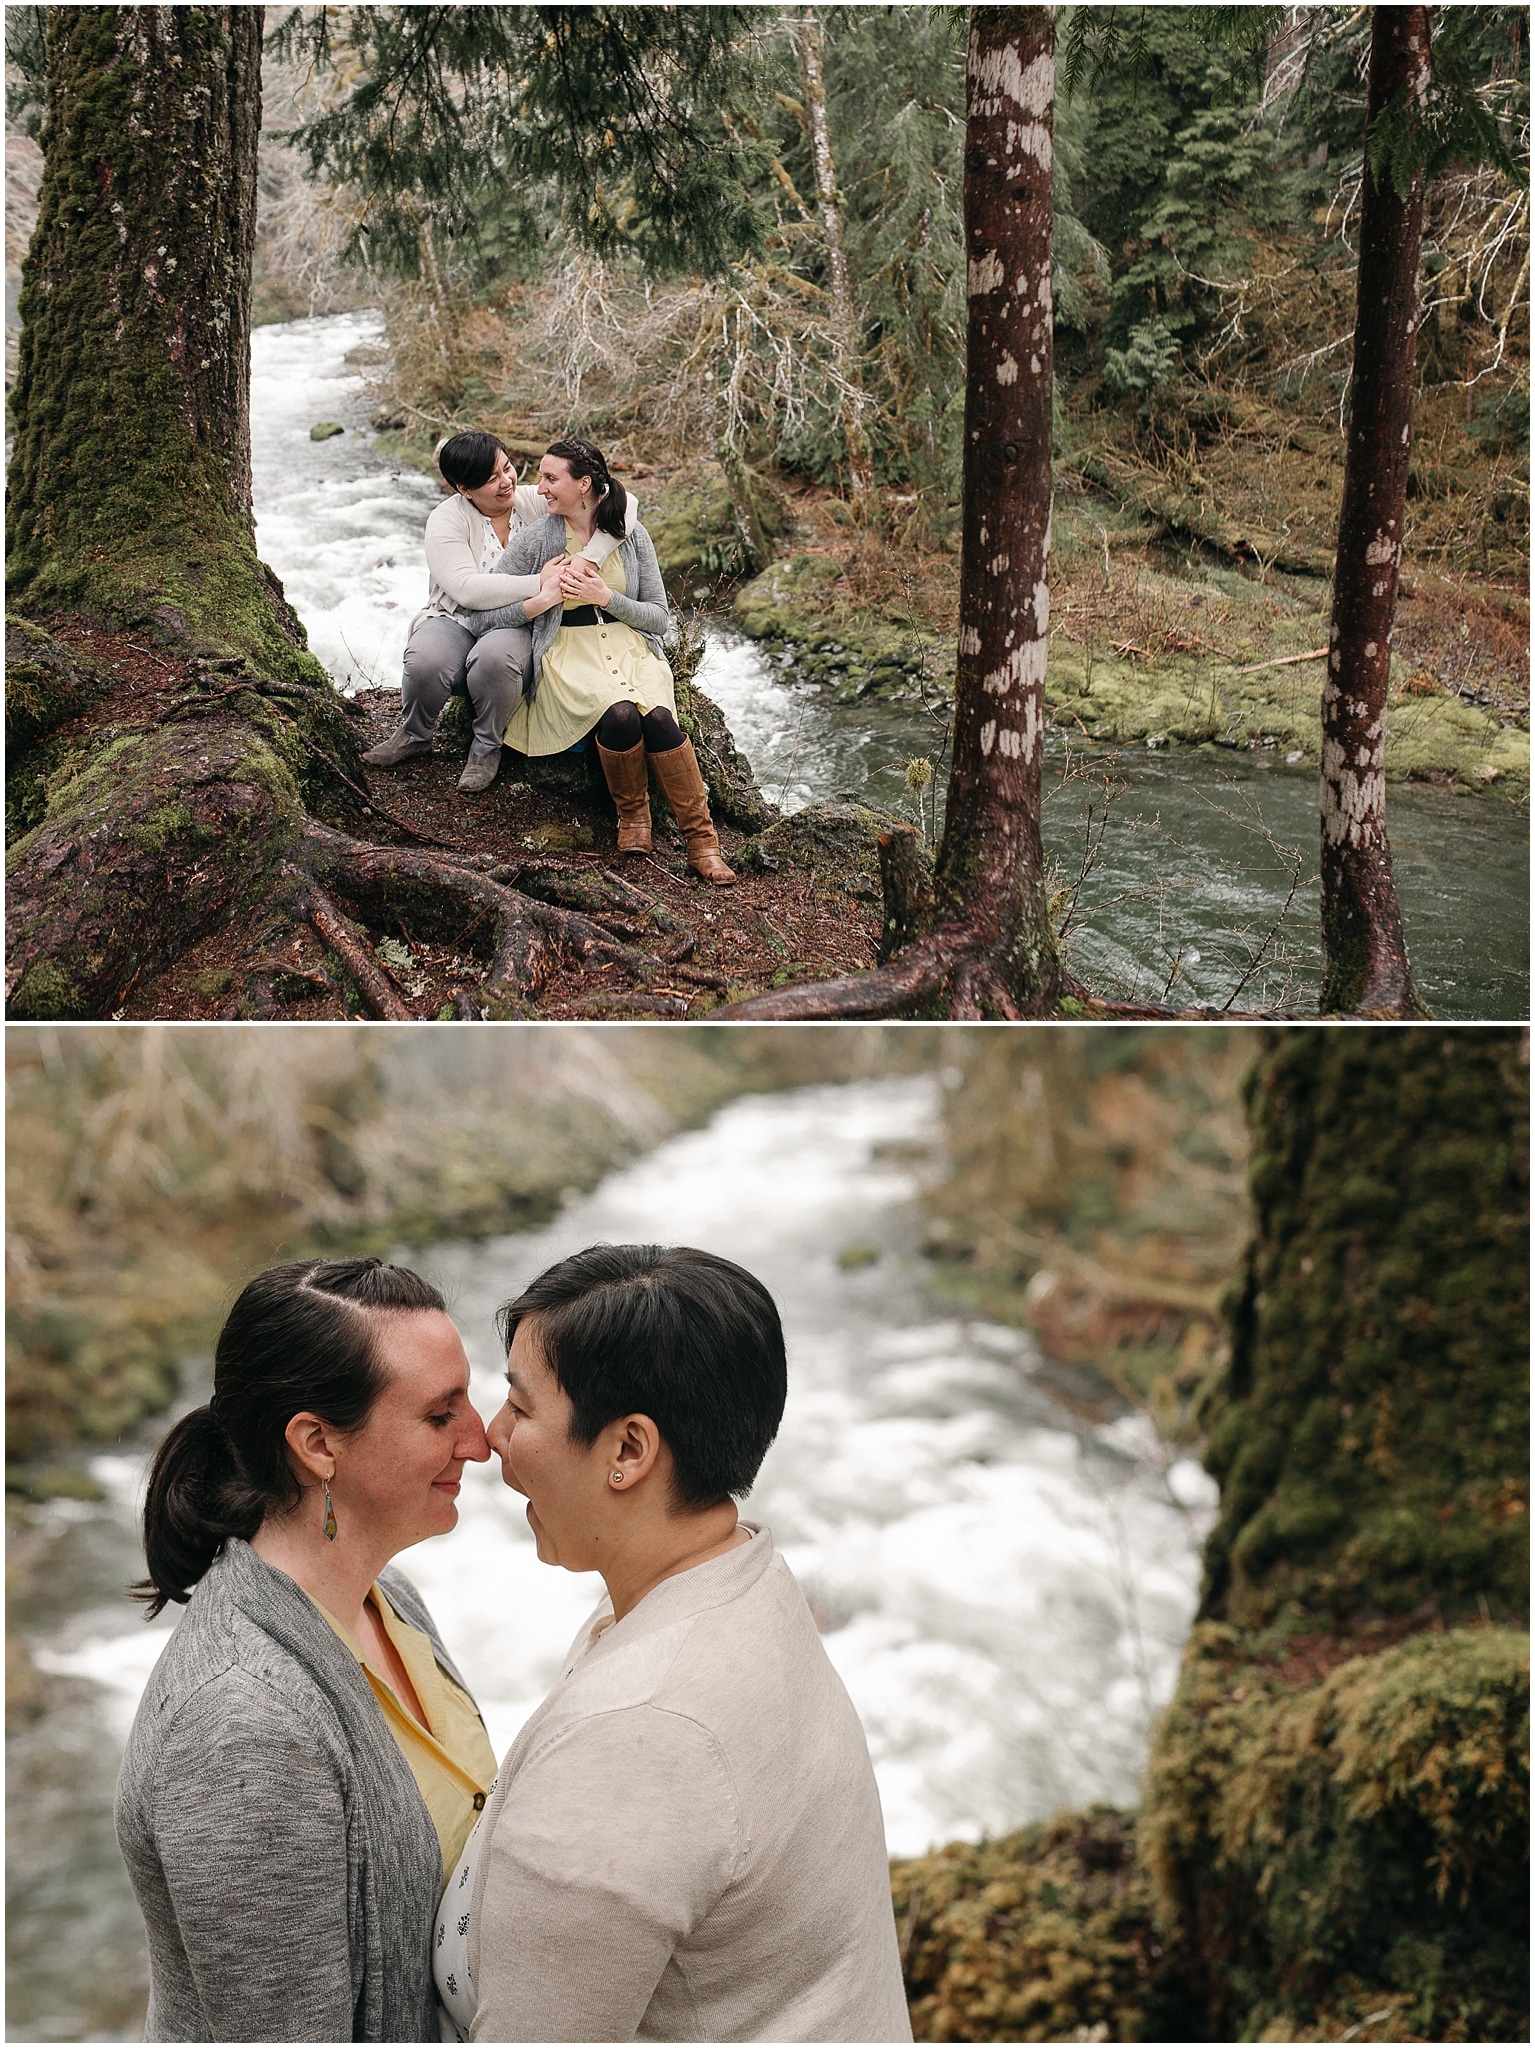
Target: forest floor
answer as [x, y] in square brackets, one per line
[771, 930]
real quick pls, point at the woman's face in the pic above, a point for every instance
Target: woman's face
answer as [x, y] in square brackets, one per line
[495, 495]
[564, 494]
[398, 1475]
[565, 1482]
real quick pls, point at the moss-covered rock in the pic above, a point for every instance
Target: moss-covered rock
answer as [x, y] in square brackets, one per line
[795, 603]
[1358, 1845]
[837, 840]
[710, 526]
[1043, 1935]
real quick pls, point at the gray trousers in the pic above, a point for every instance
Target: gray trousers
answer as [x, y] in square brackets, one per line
[441, 653]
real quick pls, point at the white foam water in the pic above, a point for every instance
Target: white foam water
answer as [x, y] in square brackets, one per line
[339, 523]
[1004, 1589]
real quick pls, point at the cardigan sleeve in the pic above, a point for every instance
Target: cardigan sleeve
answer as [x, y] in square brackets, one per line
[452, 565]
[610, 1849]
[646, 608]
[250, 1828]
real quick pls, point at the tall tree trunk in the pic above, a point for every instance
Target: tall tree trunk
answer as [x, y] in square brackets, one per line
[1365, 956]
[988, 949]
[830, 206]
[130, 484]
[992, 848]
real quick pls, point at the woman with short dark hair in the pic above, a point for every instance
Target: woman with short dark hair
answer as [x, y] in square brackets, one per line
[685, 1842]
[465, 537]
[306, 1763]
[598, 663]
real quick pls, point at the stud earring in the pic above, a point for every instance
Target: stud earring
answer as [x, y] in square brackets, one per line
[330, 1516]
[618, 1478]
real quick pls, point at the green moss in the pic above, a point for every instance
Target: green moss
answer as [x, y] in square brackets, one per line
[1371, 1429]
[45, 991]
[1323, 1850]
[1043, 1935]
[709, 527]
[45, 684]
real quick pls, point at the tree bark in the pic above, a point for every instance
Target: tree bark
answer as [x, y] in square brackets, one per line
[130, 484]
[829, 205]
[1365, 970]
[992, 848]
[990, 950]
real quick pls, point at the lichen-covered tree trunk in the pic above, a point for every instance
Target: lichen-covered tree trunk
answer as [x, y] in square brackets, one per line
[992, 853]
[130, 482]
[1365, 968]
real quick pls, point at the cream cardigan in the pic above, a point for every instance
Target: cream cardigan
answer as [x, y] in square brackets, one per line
[685, 1842]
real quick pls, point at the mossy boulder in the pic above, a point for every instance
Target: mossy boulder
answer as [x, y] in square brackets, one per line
[795, 603]
[710, 525]
[1190, 699]
[1358, 1845]
[1043, 1935]
[836, 839]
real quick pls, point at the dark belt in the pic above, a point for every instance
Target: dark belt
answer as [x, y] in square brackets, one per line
[584, 615]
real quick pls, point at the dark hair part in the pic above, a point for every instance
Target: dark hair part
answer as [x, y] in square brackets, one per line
[301, 1336]
[686, 1338]
[470, 459]
[585, 458]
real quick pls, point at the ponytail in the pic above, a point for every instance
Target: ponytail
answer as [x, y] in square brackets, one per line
[585, 458]
[301, 1336]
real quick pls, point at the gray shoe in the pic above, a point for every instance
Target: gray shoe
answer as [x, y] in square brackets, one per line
[398, 747]
[480, 769]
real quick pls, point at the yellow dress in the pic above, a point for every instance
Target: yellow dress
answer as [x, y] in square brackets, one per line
[587, 669]
[451, 1758]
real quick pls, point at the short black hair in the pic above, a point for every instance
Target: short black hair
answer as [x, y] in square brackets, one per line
[470, 459]
[688, 1339]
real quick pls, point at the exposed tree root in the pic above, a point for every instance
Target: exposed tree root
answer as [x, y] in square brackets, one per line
[349, 942]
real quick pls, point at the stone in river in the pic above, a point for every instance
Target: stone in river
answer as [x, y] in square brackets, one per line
[325, 430]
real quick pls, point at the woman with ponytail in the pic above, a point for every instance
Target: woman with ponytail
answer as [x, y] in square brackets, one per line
[597, 662]
[306, 1763]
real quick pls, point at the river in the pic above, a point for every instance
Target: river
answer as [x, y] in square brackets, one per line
[1194, 871]
[1004, 1588]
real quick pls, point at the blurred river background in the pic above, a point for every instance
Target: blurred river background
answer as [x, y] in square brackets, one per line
[998, 1255]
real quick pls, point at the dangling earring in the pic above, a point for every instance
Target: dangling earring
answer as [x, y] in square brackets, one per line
[330, 1516]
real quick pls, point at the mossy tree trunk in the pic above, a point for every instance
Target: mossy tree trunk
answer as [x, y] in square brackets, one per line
[1336, 1809]
[1365, 969]
[987, 949]
[130, 484]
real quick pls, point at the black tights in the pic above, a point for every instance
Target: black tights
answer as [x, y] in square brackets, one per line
[621, 727]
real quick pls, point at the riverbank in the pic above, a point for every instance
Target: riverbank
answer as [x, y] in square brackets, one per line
[1170, 629]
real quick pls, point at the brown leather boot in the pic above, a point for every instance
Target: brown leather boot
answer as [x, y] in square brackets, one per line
[629, 787]
[683, 788]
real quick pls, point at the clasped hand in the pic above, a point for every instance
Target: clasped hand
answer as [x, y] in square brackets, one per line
[574, 580]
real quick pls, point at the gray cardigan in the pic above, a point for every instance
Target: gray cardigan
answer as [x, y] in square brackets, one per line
[284, 1860]
[643, 606]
